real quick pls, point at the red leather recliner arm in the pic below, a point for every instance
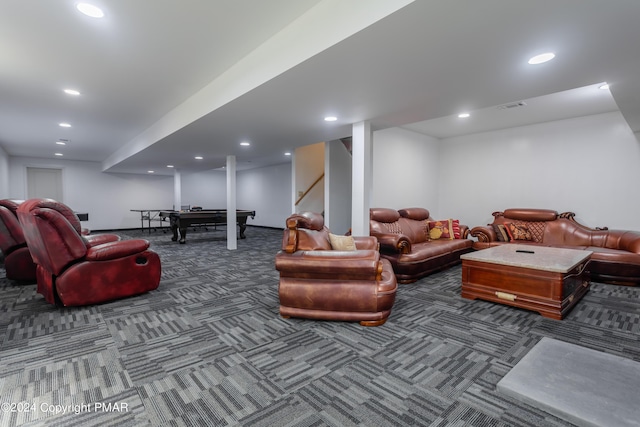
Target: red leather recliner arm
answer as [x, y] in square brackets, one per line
[114, 250]
[99, 239]
[10, 231]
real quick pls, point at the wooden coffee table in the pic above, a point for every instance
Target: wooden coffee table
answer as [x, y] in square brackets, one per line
[547, 280]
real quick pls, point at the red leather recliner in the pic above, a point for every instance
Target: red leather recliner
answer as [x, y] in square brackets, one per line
[17, 258]
[80, 270]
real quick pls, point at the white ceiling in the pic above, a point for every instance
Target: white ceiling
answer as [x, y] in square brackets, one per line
[196, 77]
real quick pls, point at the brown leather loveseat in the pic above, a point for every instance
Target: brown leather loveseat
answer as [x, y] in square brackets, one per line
[413, 247]
[319, 279]
[616, 253]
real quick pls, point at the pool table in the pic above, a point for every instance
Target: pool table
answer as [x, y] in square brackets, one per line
[181, 220]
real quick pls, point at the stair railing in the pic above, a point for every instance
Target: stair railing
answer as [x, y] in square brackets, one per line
[309, 189]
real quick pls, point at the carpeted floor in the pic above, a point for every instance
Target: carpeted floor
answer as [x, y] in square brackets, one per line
[208, 348]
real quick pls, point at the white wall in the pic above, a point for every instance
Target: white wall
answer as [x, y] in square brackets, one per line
[337, 200]
[309, 164]
[205, 189]
[107, 197]
[588, 165]
[267, 191]
[4, 174]
[405, 170]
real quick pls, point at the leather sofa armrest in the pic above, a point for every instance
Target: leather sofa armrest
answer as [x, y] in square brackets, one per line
[366, 242]
[99, 239]
[332, 265]
[117, 249]
[484, 233]
[391, 242]
[630, 241]
[464, 231]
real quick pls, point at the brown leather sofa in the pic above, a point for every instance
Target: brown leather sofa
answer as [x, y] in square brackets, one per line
[318, 281]
[616, 253]
[406, 242]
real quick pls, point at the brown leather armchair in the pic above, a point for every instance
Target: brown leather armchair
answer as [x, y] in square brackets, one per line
[79, 270]
[18, 264]
[320, 282]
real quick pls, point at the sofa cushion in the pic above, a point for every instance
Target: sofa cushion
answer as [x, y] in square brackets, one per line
[342, 243]
[531, 214]
[308, 220]
[518, 231]
[417, 214]
[312, 240]
[455, 226]
[384, 214]
[440, 229]
[501, 233]
[425, 251]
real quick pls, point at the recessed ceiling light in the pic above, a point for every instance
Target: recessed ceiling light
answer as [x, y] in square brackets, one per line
[65, 125]
[169, 166]
[90, 10]
[198, 157]
[464, 115]
[544, 57]
[151, 171]
[330, 119]
[61, 143]
[59, 154]
[604, 86]
[71, 92]
[245, 144]
[287, 153]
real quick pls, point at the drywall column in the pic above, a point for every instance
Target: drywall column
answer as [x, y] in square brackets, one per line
[361, 147]
[232, 220]
[177, 190]
[327, 184]
[293, 182]
[337, 186]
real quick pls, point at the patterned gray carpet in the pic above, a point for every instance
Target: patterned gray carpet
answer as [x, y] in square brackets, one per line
[208, 348]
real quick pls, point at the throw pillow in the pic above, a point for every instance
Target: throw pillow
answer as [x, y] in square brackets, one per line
[455, 225]
[440, 229]
[518, 232]
[342, 243]
[501, 233]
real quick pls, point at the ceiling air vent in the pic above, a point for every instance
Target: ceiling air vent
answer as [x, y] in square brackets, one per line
[512, 105]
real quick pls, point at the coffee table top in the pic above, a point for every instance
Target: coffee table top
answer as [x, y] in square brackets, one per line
[544, 258]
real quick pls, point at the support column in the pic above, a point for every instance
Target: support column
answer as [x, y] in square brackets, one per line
[362, 177]
[327, 185]
[294, 190]
[177, 190]
[232, 220]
